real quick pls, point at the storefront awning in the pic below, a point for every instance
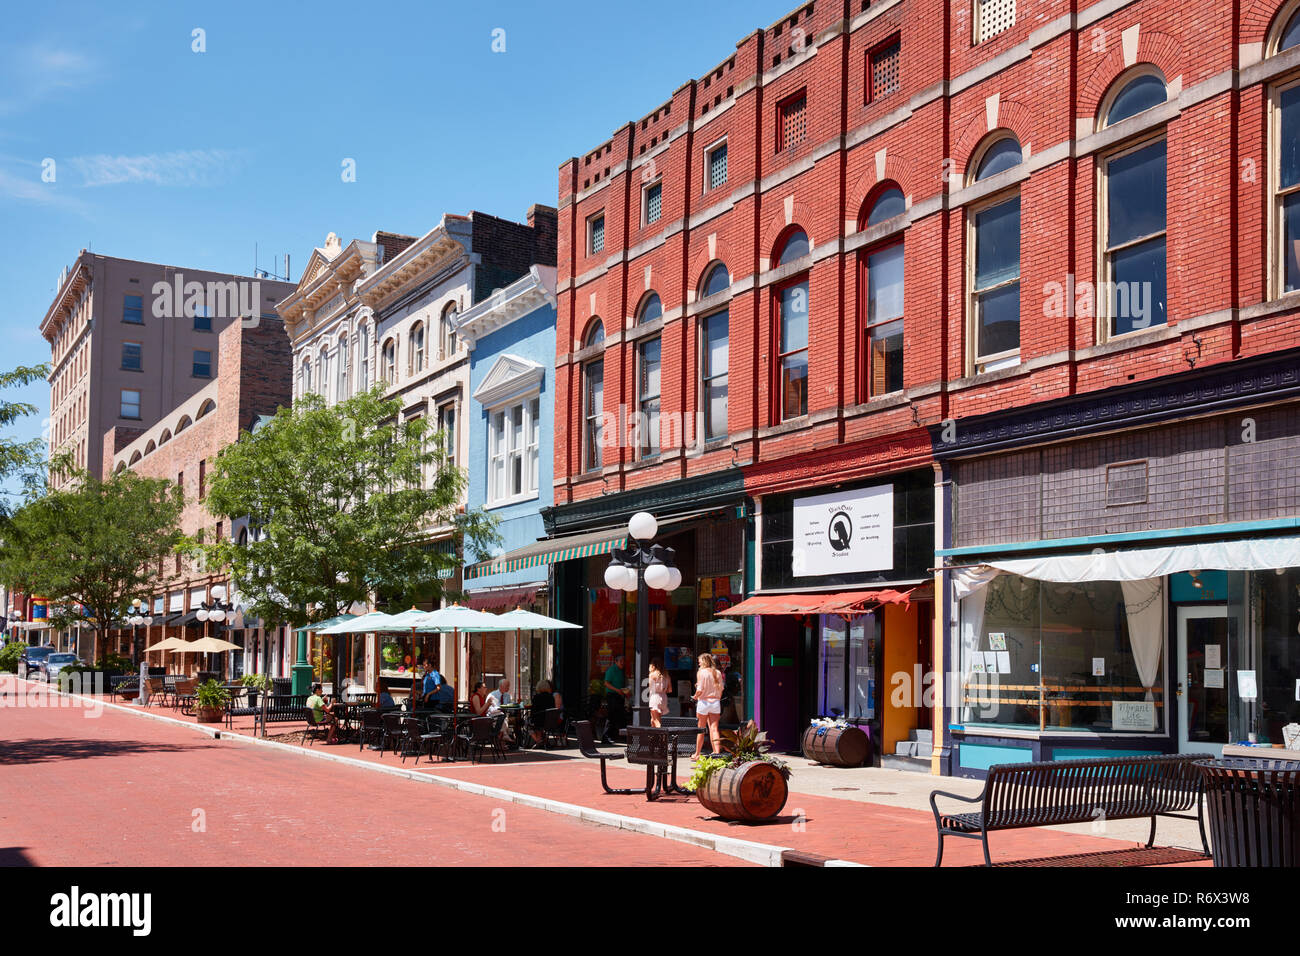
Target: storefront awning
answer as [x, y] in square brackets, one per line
[557, 550]
[507, 598]
[1255, 554]
[841, 602]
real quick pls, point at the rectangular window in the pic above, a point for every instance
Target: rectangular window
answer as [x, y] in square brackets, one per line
[130, 407]
[202, 320]
[992, 17]
[885, 321]
[203, 478]
[648, 385]
[715, 333]
[593, 415]
[882, 72]
[133, 309]
[792, 122]
[717, 166]
[653, 202]
[792, 306]
[533, 450]
[447, 425]
[202, 363]
[996, 301]
[497, 458]
[132, 357]
[1135, 238]
[596, 235]
[1288, 185]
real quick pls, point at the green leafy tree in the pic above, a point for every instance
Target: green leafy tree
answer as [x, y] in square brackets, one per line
[95, 545]
[344, 502]
[22, 460]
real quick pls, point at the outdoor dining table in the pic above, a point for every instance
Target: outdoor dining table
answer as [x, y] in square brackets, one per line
[668, 775]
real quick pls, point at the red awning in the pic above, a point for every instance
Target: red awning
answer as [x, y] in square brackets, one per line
[842, 602]
[505, 599]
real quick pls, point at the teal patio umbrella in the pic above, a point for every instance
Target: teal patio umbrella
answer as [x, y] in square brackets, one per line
[523, 620]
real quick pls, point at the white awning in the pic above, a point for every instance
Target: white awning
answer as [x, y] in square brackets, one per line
[1256, 554]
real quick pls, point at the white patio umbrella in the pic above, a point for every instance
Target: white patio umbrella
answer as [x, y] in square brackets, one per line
[457, 618]
[523, 620]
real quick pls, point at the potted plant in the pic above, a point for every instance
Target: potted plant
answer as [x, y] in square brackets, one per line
[210, 702]
[745, 782]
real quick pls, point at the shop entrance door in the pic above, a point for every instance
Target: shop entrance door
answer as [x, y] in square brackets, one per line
[1201, 679]
[780, 669]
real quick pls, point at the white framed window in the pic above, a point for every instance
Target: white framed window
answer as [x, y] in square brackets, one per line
[993, 266]
[417, 349]
[447, 425]
[513, 433]
[363, 344]
[342, 386]
[652, 202]
[596, 234]
[447, 344]
[715, 165]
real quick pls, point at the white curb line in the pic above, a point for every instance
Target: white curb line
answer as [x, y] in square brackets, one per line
[763, 854]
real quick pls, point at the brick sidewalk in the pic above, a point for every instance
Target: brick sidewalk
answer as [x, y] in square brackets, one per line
[820, 826]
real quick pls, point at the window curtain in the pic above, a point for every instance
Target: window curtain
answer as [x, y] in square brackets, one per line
[1144, 606]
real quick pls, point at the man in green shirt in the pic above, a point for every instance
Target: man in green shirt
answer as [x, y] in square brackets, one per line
[316, 704]
[615, 693]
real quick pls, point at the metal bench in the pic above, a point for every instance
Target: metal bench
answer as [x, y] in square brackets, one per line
[284, 709]
[587, 747]
[1056, 792]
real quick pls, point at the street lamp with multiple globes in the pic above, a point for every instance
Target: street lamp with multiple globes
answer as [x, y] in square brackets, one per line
[139, 616]
[217, 610]
[638, 568]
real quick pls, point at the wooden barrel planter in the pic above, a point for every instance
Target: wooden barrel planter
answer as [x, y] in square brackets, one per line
[837, 746]
[752, 791]
[209, 715]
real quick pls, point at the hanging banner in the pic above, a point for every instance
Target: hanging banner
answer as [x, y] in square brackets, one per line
[844, 532]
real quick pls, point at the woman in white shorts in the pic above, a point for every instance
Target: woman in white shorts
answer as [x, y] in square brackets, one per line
[708, 703]
[659, 687]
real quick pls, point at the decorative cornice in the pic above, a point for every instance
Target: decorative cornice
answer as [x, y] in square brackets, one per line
[522, 297]
[664, 500]
[511, 376]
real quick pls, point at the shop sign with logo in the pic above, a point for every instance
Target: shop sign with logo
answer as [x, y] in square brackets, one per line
[844, 532]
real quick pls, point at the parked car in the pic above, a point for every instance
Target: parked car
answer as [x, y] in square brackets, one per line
[31, 658]
[49, 668]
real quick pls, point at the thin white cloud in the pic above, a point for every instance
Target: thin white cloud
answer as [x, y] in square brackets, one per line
[34, 73]
[190, 167]
[30, 188]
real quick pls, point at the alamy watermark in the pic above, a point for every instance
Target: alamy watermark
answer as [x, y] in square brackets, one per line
[228, 299]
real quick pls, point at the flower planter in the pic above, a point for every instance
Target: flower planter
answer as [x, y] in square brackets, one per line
[208, 715]
[837, 746]
[753, 791]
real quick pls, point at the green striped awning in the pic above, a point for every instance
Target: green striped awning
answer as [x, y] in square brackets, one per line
[551, 551]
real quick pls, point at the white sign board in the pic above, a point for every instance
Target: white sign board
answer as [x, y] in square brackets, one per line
[844, 532]
[1246, 685]
[1133, 715]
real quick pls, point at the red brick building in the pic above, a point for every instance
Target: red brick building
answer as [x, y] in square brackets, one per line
[964, 243]
[254, 379]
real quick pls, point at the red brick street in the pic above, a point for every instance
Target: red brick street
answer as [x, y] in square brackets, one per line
[122, 790]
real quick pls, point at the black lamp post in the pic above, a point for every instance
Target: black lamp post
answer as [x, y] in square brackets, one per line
[137, 617]
[639, 568]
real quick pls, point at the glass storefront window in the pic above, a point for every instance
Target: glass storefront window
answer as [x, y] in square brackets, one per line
[1276, 660]
[1047, 656]
[846, 681]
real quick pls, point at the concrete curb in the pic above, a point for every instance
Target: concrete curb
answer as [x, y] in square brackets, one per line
[763, 854]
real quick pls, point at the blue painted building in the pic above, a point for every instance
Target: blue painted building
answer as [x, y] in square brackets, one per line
[510, 336]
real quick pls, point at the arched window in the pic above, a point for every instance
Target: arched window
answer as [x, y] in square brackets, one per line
[718, 279]
[715, 336]
[593, 401]
[447, 331]
[164, 438]
[363, 346]
[183, 424]
[649, 362]
[305, 377]
[1133, 215]
[390, 361]
[994, 247]
[206, 407]
[341, 391]
[794, 247]
[415, 363]
[1290, 35]
[998, 157]
[150, 448]
[888, 204]
[792, 323]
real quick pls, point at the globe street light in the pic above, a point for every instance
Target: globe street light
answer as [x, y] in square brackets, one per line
[217, 610]
[638, 568]
[137, 617]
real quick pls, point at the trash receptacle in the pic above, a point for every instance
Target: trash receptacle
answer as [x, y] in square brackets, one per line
[1253, 807]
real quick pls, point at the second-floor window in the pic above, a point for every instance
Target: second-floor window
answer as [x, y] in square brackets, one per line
[884, 327]
[305, 376]
[202, 366]
[596, 234]
[513, 452]
[714, 356]
[133, 309]
[593, 401]
[342, 393]
[654, 194]
[390, 361]
[995, 292]
[447, 425]
[717, 166]
[648, 363]
[792, 332]
[417, 350]
[363, 346]
[130, 404]
[447, 332]
[132, 356]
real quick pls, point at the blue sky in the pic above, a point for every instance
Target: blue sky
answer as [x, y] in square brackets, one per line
[169, 155]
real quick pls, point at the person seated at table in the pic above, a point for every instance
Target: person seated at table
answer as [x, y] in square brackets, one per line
[502, 694]
[444, 698]
[429, 691]
[323, 713]
[386, 700]
[478, 701]
[543, 701]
